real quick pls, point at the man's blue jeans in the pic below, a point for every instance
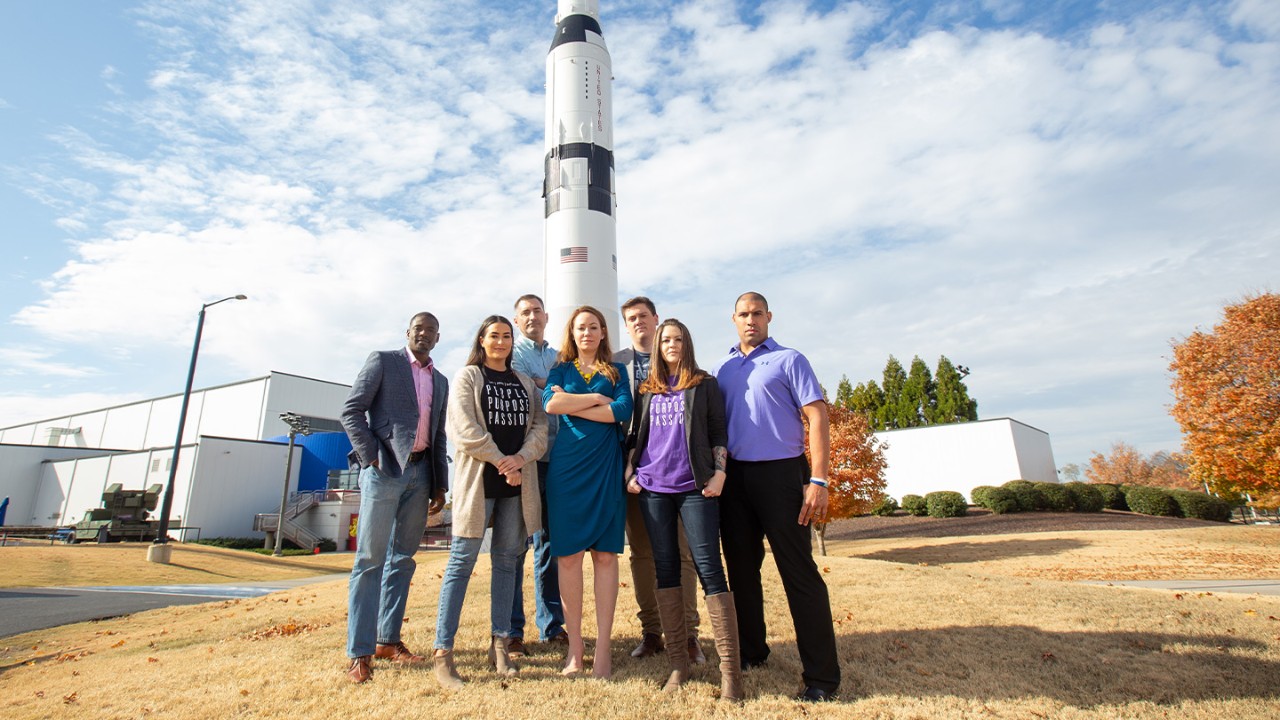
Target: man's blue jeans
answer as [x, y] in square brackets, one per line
[546, 579]
[393, 516]
[505, 547]
[701, 517]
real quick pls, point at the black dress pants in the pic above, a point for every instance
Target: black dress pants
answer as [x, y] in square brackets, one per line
[763, 500]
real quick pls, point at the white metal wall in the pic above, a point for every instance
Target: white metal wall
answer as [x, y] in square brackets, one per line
[20, 471]
[290, 393]
[234, 480]
[962, 456]
[248, 410]
[68, 488]
[1035, 454]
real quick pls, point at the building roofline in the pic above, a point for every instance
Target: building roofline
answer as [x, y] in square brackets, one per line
[969, 422]
[172, 395]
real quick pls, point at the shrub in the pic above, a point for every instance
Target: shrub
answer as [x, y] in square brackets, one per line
[1086, 497]
[980, 494]
[915, 505]
[1001, 501]
[231, 543]
[284, 552]
[1112, 496]
[1026, 493]
[1056, 497]
[1151, 501]
[1202, 507]
[945, 504]
[327, 545]
[885, 507]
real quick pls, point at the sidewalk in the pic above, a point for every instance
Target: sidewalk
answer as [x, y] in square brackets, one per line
[1259, 587]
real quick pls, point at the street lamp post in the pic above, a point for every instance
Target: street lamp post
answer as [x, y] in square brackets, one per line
[297, 426]
[160, 551]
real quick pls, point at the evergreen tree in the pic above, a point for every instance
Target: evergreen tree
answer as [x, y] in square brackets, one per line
[918, 402]
[911, 399]
[952, 402]
[844, 392]
[889, 415]
[867, 400]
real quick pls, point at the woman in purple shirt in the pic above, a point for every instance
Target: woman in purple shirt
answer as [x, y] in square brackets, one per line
[676, 465]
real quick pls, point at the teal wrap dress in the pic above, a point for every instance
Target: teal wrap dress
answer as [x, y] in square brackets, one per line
[586, 505]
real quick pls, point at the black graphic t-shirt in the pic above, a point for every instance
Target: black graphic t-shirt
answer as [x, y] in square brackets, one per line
[506, 412]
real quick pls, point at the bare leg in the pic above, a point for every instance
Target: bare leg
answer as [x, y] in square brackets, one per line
[570, 571]
[606, 591]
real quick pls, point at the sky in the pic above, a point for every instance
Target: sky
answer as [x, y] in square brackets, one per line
[1046, 193]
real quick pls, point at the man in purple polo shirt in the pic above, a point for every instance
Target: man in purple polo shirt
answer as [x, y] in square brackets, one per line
[771, 493]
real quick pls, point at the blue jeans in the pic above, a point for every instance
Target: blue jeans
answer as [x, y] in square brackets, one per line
[546, 580]
[505, 547]
[393, 516]
[701, 517]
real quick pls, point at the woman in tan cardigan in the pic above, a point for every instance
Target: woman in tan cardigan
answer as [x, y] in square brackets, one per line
[498, 430]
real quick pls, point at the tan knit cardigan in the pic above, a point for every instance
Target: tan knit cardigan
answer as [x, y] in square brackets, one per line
[474, 447]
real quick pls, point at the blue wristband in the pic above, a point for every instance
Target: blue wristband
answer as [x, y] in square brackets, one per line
[818, 481]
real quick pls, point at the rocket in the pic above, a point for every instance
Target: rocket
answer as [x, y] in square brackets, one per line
[580, 235]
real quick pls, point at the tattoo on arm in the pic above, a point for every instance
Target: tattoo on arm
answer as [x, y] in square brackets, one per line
[720, 455]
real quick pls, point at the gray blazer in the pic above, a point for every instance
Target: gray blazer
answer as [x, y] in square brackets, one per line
[627, 356]
[381, 417]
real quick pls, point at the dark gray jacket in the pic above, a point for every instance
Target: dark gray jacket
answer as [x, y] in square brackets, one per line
[704, 428]
[381, 417]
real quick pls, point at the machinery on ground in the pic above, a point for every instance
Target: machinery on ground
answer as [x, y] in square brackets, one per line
[123, 516]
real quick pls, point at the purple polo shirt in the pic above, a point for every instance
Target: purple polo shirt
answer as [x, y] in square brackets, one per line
[763, 394]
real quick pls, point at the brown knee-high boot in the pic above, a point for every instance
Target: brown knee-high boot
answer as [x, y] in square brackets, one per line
[724, 622]
[671, 610]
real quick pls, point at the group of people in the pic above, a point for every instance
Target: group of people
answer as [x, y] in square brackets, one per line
[574, 448]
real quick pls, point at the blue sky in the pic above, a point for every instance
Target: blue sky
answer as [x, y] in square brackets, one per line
[1046, 193]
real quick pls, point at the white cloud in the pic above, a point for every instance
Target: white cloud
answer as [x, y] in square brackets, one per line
[1047, 210]
[32, 361]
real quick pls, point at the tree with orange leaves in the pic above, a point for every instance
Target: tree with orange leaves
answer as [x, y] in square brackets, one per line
[1124, 465]
[856, 481]
[1226, 390]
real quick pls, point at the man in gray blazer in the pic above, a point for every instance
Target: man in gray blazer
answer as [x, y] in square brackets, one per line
[395, 419]
[641, 320]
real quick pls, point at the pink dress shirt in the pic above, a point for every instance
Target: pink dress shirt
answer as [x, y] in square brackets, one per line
[424, 386]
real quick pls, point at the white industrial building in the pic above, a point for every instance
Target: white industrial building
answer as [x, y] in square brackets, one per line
[54, 470]
[962, 456]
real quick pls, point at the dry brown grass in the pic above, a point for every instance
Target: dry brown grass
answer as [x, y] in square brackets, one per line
[43, 565]
[916, 641]
[1210, 553]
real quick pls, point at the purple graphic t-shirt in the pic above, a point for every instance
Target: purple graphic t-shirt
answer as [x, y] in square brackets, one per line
[664, 462]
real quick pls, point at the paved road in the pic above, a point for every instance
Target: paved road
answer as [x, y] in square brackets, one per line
[26, 609]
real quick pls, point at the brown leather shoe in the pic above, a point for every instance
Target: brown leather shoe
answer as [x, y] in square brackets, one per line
[696, 655]
[651, 644]
[398, 653]
[516, 648]
[360, 671]
[560, 638]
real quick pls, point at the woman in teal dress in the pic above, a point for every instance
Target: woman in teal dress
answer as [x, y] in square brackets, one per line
[585, 503]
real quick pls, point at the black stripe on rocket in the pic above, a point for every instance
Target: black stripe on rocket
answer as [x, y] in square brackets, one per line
[574, 29]
[599, 176]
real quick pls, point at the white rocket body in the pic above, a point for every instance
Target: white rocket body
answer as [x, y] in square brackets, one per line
[580, 235]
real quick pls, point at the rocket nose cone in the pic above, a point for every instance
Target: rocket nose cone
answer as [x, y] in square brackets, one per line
[577, 7]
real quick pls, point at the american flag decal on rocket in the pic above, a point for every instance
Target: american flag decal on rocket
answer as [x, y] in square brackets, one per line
[573, 255]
